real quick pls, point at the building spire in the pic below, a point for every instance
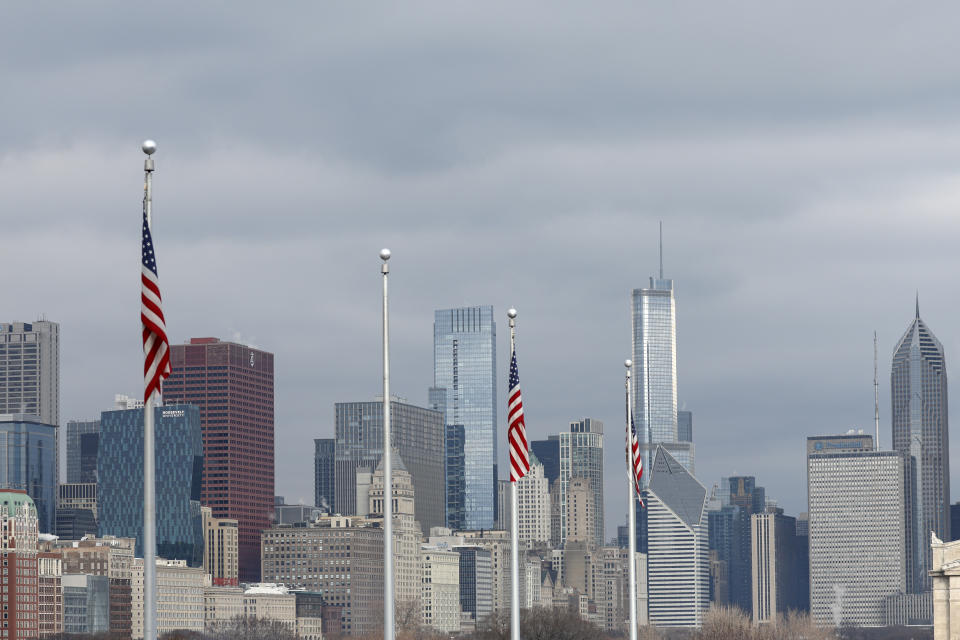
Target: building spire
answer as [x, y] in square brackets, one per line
[661, 250]
[918, 304]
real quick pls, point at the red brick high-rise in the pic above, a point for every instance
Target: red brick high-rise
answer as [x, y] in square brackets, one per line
[232, 384]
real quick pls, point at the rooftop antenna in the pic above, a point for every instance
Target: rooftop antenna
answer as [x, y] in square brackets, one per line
[876, 394]
[661, 258]
[918, 304]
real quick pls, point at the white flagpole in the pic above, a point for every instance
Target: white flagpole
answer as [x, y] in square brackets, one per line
[388, 595]
[514, 521]
[149, 457]
[631, 514]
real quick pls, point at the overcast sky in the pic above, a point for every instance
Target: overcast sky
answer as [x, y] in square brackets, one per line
[804, 158]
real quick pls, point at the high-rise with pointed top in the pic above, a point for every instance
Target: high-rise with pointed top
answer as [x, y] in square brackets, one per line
[918, 385]
[654, 315]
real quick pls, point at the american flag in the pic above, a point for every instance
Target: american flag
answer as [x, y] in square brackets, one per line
[156, 349]
[517, 433]
[636, 460]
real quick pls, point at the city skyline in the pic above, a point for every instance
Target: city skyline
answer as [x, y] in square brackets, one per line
[785, 199]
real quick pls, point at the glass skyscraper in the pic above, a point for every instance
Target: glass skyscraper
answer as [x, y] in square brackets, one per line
[655, 373]
[465, 365]
[324, 476]
[179, 451]
[28, 462]
[76, 429]
[918, 384]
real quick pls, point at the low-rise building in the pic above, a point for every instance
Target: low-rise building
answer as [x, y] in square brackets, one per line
[86, 603]
[266, 601]
[180, 597]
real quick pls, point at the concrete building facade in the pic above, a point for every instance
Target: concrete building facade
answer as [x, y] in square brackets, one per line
[858, 526]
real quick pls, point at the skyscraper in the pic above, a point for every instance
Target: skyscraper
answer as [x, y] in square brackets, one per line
[76, 429]
[548, 452]
[918, 382]
[654, 377]
[465, 365]
[30, 369]
[28, 462]
[581, 456]
[232, 384]
[323, 470]
[678, 569]
[417, 435]
[778, 566]
[179, 450]
[858, 514]
[742, 492]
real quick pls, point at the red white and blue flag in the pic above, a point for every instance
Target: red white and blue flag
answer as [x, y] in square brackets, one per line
[636, 460]
[156, 349]
[517, 433]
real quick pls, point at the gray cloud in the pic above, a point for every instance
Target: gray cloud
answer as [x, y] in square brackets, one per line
[803, 159]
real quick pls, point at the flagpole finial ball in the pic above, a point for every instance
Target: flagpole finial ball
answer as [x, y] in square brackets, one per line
[628, 363]
[149, 147]
[384, 254]
[511, 313]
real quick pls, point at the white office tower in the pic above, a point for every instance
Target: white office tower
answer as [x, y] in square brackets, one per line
[678, 570]
[30, 369]
[857, 525]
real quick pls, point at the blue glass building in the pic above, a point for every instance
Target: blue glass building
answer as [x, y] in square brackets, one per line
[476, 582]
[323, 474]
[28, 462]
[548, 452]
[179, 465]
[465, 364]
[456, 482]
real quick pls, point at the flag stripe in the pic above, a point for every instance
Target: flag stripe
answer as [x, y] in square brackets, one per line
[156, 348]
[517, 430]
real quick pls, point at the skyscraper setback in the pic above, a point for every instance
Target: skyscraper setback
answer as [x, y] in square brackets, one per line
[464, 365]
[232, 384]
[918, 384]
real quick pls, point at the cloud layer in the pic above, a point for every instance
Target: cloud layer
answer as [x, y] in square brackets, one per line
[803, 159]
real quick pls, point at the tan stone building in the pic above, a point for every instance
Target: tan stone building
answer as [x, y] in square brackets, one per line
[945, 573]
[581, 511]
[267, 601]
[221, 606]
[221, 558]
[406, 530]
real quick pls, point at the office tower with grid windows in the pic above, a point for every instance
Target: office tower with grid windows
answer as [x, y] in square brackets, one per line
[858, 511]
[678, 558]
[233, 386]
[30, 369]
[581, 456]
[465, 365]
[918, 385]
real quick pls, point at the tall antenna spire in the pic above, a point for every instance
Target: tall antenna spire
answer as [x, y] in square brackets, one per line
[661, 260]
[918, 303]
[876, 394]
